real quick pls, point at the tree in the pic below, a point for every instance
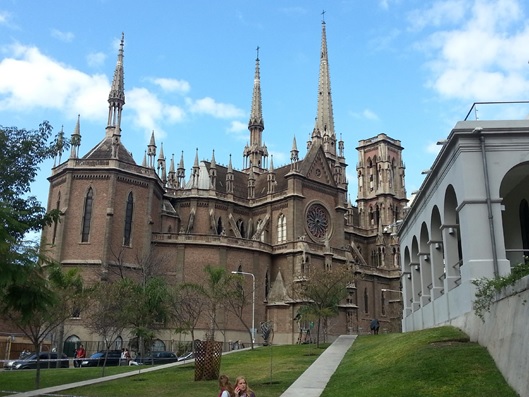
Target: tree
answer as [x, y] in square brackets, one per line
[21, 152]
[321, 291]
[36, 318]
[148, 295]
[147, 308]
[186, 306]
[236, 300]
[214, 291]
[107, 316]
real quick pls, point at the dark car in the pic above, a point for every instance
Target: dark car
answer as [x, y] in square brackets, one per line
[98, 359]
[46, 360]
[159, 358]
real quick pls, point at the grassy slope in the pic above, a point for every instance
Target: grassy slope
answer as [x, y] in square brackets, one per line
[433, 363]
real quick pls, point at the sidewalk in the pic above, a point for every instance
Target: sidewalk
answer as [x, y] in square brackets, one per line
[313, 381]
[310, 384]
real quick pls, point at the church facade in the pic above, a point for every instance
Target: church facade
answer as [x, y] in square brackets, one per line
[273, 223]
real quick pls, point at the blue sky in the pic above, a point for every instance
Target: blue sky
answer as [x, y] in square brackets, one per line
[407, 68]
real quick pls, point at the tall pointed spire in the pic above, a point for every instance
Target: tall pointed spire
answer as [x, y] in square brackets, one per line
[324, 118]
[116, 97]
[256, 116]
[255, 151]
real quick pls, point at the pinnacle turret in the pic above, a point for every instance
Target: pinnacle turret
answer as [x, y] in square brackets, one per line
[76, 139]
[116, 97]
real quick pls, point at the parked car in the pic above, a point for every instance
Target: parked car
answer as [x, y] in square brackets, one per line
[47, 360]
[98, 359]
[187, 356]
[158, 358]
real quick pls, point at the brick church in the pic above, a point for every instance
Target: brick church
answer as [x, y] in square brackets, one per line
[271, 222]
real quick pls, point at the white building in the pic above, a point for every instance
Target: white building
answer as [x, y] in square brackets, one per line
[469, 220]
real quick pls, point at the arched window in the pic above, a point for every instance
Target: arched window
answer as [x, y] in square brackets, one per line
[281, 229]
[118, 343]
[383, 302]
[56, 223]
[87, 217]
[128, 220]
[220, 228]
[366, 301]
[158, 345]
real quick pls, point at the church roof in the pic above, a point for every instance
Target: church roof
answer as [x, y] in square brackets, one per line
[103, 151]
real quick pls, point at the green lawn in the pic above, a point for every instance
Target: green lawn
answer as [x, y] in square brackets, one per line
[436, 362]
[433, 363]
[285, 363]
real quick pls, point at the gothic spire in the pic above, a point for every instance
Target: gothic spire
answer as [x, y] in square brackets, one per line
[324, 118]
[255, 151]
[256, 116]
[116, 98]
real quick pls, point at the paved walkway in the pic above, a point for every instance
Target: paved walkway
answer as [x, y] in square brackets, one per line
[310, 384]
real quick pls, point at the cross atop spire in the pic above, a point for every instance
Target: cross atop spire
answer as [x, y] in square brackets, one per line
[323, 16]
[257, 49]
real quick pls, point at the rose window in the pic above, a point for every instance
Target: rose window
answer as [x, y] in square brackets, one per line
[317, 221]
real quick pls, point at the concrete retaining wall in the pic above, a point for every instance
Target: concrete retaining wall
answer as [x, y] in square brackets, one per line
[505, 333]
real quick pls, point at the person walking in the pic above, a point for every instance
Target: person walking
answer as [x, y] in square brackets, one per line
[375, 325]
[80, 353]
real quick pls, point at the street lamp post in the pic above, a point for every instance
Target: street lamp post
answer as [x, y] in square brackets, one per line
[253, 302]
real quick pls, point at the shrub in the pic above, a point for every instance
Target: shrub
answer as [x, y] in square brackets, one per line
[487, 288]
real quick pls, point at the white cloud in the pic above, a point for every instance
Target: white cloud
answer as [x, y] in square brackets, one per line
[433, 148]
[209, 106]
[30, 80]
[280, 158]
[385, 4]
[149, 112]
[365, 114]
[174, 114]
[369, 114]
[484, 58]
[6, 19]
[237, 126]
[440, 13]
[67, 37]
[96, 59]
[172, 85]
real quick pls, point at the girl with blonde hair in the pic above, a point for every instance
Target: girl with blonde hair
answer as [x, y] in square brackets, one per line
[242, 389]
